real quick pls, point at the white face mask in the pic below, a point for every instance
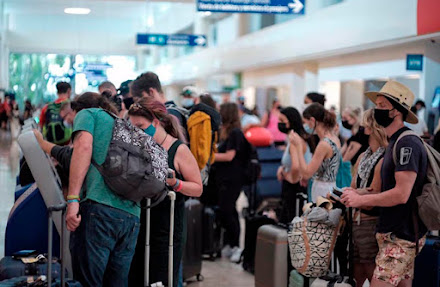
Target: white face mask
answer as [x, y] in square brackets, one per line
[66, 124]
[187, 102]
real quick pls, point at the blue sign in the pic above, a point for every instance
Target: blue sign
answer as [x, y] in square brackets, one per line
[171, 40]
[414, 62]
[252, 6]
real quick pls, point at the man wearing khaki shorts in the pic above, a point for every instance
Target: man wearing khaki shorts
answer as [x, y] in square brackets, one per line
[402, 181]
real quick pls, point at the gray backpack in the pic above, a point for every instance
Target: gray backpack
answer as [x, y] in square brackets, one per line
[429, 199]
[135, 166]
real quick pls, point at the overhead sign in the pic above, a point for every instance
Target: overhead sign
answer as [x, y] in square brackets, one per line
[414, 62]
[252, 6]
[171, 40]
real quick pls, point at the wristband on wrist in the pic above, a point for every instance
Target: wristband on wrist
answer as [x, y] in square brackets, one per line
[73, 197]
[177, 183]
[179, 188]
[72, 201]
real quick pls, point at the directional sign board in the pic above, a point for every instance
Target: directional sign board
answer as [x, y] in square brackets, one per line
[252, 6]
[171, 40]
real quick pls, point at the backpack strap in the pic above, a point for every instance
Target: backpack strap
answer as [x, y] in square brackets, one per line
[414, 214]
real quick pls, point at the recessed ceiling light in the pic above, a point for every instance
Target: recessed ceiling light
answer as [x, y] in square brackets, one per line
[77, 11]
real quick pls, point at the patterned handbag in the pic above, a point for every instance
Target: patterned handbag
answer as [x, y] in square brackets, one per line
[311, 245]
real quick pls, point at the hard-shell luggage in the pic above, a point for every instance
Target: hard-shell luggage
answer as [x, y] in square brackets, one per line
[259, 137]
[253, 223]
[27, 228]
[427, 264]
[271, 268]
[268, 185]
[212, 233]
[53, 270]
[192, 255]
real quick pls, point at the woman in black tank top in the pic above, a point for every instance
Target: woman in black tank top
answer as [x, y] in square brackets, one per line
[367, 180]
[151, 116]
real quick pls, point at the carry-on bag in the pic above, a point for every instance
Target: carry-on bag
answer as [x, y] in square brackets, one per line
[212, 233]
[53, 269]
[268, 185]
[172, 196]
[192, 255]
[427, 264]
[271, 268]
[252, 223]
[337, 280]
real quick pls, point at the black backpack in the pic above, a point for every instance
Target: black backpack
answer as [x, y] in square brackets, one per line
[135, 166]
[252, 170]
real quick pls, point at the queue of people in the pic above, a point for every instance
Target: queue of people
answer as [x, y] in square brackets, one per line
[108, 232]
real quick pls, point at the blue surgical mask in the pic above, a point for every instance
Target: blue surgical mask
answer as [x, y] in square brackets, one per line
[187, 102]
[151, 130]
[308, 129]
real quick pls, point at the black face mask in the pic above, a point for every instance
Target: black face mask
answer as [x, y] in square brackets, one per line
[346, 125]
[382, 117]
[283, 128]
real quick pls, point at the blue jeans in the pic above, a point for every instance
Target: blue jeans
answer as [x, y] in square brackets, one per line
[103, 245]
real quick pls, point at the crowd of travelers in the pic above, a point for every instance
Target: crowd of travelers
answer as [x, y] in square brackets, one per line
[108, 232]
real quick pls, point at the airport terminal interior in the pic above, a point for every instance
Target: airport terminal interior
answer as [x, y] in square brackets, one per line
[265, 56]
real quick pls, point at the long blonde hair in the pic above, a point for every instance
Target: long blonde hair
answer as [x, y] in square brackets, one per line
[376, 131]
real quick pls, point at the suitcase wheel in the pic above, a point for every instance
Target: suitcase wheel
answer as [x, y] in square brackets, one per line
[200, 277]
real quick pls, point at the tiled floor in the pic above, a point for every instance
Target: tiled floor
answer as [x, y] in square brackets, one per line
[223, 273]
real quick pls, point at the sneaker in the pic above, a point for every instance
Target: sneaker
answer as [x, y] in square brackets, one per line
[236, 254]
[227, 251]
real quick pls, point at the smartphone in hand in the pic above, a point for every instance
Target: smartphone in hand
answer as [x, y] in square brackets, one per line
[336, 194]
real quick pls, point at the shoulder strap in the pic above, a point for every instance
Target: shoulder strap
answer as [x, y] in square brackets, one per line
[172, 153]
[402, 135]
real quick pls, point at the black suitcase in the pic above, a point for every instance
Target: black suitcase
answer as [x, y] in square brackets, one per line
[212, 233]
[427, 264]
[192, 255]
[253, 222]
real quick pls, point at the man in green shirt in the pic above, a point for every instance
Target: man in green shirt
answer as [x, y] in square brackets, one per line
[104, 226]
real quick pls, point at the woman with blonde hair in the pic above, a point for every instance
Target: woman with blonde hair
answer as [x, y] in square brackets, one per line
[358, 142]
[367, 180]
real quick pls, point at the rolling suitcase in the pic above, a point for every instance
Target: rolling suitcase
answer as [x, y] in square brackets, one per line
[172, 196]
[253, 223]
[268, 185]
[271, 268]
[212, 233]
[27, 225]
[192, 255]
[427, 264]
[53, 269]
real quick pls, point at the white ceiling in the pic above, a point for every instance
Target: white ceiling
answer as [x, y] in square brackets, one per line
[99, 8]
[110, 28]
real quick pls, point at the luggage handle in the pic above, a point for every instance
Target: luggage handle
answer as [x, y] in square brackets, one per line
[172, 196]
[60, 207]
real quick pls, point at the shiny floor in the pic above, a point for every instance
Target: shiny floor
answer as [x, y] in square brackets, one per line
[216, 274]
